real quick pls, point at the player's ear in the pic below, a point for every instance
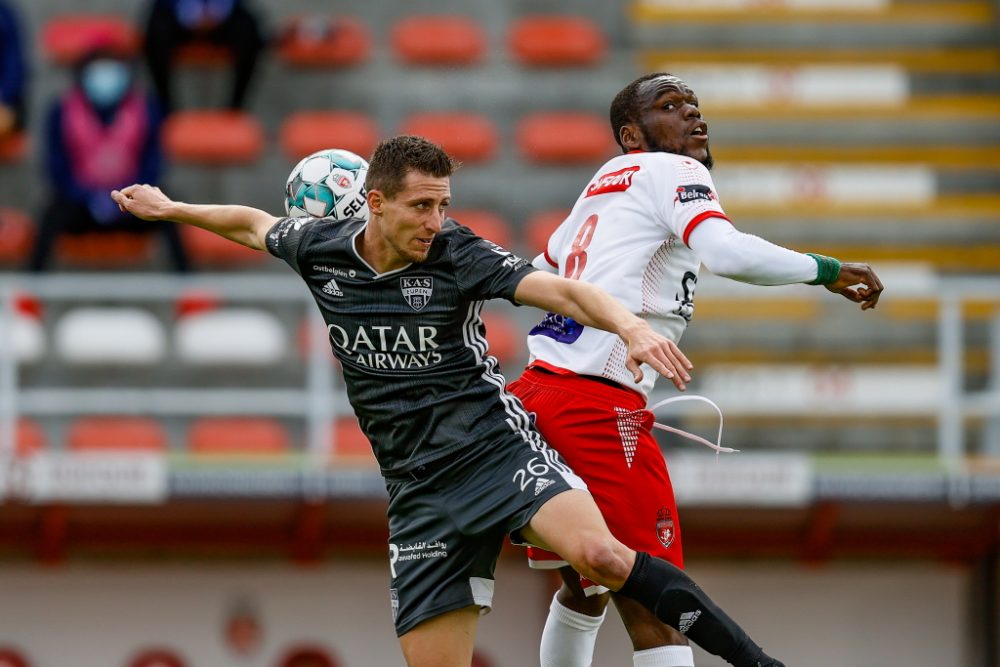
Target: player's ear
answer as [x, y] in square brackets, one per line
[630, 136]
[375, 200]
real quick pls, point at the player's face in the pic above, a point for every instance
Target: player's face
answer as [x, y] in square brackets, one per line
[670, 120]
[409, 221]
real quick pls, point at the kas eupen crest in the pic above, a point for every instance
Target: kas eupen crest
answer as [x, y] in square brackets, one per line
[417, 290]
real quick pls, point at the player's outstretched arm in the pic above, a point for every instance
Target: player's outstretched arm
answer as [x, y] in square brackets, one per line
[242, 224]
[593, 307]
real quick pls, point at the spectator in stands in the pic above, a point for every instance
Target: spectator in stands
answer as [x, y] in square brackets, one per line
[228, 23]
[13, 71]
[102, 133]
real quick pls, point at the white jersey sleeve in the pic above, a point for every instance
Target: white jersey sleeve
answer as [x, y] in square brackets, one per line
[627, 233]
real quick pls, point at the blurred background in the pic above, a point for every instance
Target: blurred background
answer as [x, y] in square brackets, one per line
[182, 483]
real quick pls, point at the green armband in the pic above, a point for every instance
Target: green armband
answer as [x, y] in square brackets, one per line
[828, 269]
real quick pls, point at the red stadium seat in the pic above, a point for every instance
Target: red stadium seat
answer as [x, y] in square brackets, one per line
[105, 249]
[17, 233]
[156, 658]
[556, 41]
[564, 138]
[238, 436]
[203, 54]
[350, 444]
[467, 137]
[306, 132]
[208, 249]
[30, 439]
[10, 657]
[13, 147]
[487, 224]
[212, 137]
[505, 338]
[540, 227]
[68, 36]
[438, 40]
[318, 41]
[307, 656]
[136, 434]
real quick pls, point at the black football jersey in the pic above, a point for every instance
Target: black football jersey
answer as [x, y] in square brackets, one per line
[411, 341]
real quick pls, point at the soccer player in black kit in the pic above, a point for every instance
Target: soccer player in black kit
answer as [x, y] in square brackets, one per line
[463, 465]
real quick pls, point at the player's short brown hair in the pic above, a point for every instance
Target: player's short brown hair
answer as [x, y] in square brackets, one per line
[395, 157]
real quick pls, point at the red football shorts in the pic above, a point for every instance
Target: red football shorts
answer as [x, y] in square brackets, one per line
[604, 433]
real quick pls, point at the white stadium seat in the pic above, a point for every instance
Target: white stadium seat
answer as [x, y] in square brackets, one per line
[29, 338]
[119, 336]
[231, 336]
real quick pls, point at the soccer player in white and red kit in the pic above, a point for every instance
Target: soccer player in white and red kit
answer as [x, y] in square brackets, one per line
[641, 229]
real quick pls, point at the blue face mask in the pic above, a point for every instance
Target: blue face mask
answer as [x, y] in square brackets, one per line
[105, 82]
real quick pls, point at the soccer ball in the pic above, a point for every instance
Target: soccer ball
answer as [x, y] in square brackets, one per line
[328, 183]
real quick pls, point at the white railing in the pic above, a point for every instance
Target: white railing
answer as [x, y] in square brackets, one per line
[321, 397]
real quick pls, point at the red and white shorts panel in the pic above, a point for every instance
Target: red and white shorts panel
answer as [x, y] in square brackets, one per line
[604, 434]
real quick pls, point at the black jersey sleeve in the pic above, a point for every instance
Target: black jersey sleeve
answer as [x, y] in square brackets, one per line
[285, 240]
[485, 270]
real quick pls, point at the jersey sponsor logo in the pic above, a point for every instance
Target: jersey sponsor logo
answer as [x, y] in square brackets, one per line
[332, 288]
[613, 181]
[386, 347]
[323, 268]
[694, 193]
[402, 553]
[511, 261]
[417, 290]
[665, 527]
[541, 484]
[558, 327]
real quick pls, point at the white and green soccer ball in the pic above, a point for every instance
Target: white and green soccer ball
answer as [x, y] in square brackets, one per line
[328, 183]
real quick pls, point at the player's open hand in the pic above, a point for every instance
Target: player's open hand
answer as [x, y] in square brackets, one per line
[858, 283]
[645, 346]
[146, 202]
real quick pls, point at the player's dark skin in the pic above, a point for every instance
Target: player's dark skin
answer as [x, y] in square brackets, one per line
[670, 121]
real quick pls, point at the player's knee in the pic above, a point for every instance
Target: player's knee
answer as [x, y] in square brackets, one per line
[601, 561]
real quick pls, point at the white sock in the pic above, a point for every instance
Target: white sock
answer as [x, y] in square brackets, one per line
[568, 638]
[664, 656]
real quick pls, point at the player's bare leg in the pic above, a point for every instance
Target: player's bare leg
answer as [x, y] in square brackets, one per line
[447, 640]
[661, 587]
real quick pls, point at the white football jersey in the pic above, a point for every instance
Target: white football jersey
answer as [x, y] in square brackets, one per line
[627, 233]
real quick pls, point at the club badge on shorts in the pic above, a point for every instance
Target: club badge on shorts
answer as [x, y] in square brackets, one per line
[665, 527]
[417, 290]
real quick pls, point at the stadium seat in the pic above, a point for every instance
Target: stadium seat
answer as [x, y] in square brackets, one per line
[320, 41]
[350, 444]
[13, 147]
[28, 329]
[556, 41]
[504, 336]
[564, 138]
[540, 226]
[307, 656]
[468, 137]
[17, 234]
[306, 132]
[238, 436]
[156, 658]
[30, 439]
[438, 40]
[106, 250]
[203, 54]
[116, 433]
[106, 335]
[210, 137]
[231, 336]
[66, 37]
[10, 657]
[207, 249]
[487, 224]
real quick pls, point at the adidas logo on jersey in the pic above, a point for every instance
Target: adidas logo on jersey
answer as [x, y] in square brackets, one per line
[687, 620]
[541, 484]
[332, 288]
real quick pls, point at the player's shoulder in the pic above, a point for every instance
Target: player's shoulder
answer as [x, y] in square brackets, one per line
[326, 228]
